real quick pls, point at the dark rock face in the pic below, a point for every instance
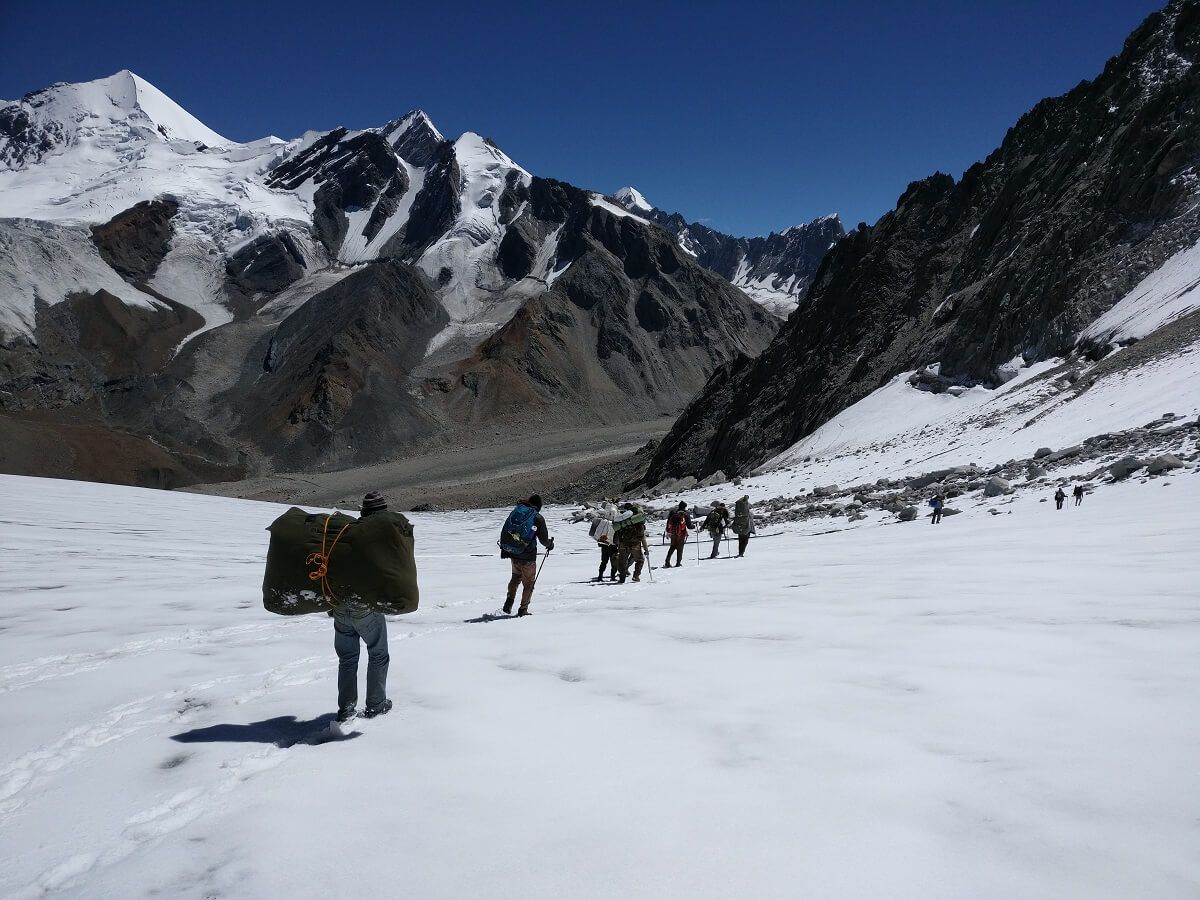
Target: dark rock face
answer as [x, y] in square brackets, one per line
[434, 209]
[414, 138]
[81, 399]
[135, 241]
[268, 264]
[336, 381]
[353, 173]
[87, 346]
[1086, 195]
[23, 140]
[632, 327]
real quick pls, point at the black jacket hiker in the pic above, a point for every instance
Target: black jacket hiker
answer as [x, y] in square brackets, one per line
[524, 561]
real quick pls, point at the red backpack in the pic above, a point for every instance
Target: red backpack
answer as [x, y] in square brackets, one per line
[677, 524]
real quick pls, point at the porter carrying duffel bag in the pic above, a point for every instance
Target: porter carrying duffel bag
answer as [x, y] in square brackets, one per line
[318, 562]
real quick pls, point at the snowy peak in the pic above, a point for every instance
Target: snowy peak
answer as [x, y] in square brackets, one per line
[414, 137]
[832, 220]
[109, 112]
[633, 200]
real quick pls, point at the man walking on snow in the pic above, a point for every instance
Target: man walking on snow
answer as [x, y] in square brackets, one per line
[715, 523]
[519, 539]
[938, 503]
[631, 539]
[1059, 496]
[1078, 492]
[354, 622]
[743, 523]
[679, 523]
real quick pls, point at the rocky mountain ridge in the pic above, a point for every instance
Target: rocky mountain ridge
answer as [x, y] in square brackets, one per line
[775, 270]
[970, 280]
[224, 309]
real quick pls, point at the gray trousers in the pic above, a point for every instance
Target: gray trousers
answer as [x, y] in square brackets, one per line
[348, 630]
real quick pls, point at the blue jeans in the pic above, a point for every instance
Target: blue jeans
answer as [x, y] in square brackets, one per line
[348, 630]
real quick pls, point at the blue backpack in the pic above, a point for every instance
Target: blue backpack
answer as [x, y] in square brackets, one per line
[520, 530]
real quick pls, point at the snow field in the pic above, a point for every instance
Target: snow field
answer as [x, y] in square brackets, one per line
[1000, 706]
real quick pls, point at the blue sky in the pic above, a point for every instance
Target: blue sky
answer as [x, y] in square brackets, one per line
[750, 116]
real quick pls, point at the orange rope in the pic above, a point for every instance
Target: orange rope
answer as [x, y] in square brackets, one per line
[321, 561]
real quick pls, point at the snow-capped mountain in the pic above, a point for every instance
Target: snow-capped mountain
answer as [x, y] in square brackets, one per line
[183, 291]
[774, 270]
[1046, 250]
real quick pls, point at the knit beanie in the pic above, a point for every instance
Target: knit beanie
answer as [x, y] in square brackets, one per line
[374, 502]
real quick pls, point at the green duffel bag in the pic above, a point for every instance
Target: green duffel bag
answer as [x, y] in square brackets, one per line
[638, 518]
[318, 562]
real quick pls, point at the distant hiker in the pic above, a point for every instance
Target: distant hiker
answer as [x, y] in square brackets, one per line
[1078, 492]
[743, 524]
[1059, 496]
[519, 537]
[602, 531]
[679, 523]
[715, 523]
[631, 541]
[353, 622]
[938, 503]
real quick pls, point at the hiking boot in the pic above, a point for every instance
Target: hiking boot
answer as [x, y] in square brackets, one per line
[524, 611]
[637, 577]
[508, 605]
[381, 709]
[346, 713]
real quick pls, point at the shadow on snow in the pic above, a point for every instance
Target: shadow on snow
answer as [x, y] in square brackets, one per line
[282, 731]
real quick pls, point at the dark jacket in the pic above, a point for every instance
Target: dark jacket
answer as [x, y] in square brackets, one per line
[632, 535]
[530, 555]
[717, 520]
[743, 519]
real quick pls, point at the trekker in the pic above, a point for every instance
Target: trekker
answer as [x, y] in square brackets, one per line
[631, 539]
[353, 622]
[679, 523]
[522, 531]
[715, 523]
[938, 503]
[605, 537]
[743, 524]
[1078, 492]
[1059, 496]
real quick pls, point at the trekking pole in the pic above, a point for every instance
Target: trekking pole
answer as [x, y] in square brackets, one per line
[697, 547]
[649, 566]
[539, 571]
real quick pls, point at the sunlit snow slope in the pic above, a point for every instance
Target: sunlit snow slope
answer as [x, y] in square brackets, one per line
[1004, 706]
